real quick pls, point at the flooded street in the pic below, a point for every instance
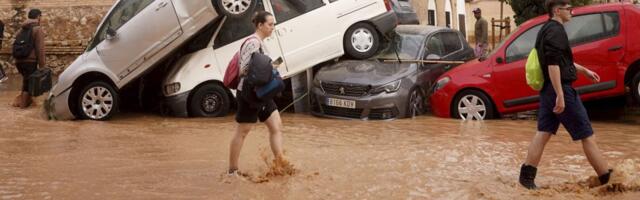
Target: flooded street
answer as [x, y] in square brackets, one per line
[145, 156]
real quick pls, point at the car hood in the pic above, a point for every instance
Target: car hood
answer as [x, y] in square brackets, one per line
[365, 72]
[469, 66]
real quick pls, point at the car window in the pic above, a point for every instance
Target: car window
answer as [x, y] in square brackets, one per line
[435, 45]
[121, 14]
[285, 10]
[443, 44]
[521, 46]
[585, 28]
[611, 23]
[234, 29]
[451, 42]
[403, 46]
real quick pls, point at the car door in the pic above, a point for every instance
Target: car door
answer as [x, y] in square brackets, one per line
[141, 29]
[305, 33]
[598, 46]
[508, 77]
[447, 45]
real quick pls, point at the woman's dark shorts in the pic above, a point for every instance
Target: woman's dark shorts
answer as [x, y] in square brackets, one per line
[250, 109]
[574, 118]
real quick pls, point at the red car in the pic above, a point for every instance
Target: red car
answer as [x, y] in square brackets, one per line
[604, 38]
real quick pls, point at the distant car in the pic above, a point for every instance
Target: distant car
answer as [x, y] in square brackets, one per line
[374, 89]
[603, 39]
[405, 12]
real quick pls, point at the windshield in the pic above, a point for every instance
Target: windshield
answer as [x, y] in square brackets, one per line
[495, 50]
[407, 46]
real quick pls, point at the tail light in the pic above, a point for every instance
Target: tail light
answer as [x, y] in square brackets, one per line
[387, 3]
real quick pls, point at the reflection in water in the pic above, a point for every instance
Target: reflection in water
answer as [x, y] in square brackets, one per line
[146, 156]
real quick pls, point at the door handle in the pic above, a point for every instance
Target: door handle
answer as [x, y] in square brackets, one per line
[615, 48]
[162, 5]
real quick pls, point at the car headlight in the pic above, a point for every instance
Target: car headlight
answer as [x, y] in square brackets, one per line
[172, 88]
[441, 83]
[389, 87]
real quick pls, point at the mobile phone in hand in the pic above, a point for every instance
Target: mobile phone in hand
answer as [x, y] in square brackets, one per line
[277, 61]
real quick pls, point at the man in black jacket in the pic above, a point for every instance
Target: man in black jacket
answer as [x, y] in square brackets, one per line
[559, 101]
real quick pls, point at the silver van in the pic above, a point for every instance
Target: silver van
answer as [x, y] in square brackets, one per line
[133, 37]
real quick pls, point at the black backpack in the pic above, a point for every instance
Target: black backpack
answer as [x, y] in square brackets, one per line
[260, 70]
[24, 43]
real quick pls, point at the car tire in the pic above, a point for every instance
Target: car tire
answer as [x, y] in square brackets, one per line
[209, 100]
[416, 104]
[235, 9]
[361, 41]
[481, 106]
[635, 87]
[97, 101]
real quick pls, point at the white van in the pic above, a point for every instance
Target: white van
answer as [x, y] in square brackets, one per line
[307, 32]
[134, 37]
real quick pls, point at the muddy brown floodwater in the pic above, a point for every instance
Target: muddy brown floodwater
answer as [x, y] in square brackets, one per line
[144, 156]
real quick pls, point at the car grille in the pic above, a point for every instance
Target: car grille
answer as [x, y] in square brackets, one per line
[383, 113]
[345, 89]
[342, 112]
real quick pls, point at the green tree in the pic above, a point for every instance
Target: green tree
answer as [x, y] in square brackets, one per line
[527, 9]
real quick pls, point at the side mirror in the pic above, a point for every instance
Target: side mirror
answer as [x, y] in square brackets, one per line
[499, 60]
[433, 57]
[111, 34]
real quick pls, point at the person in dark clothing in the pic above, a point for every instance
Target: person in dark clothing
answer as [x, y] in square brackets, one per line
[559, 101]
[29, 65]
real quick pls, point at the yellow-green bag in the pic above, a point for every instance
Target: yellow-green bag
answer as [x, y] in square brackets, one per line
[535, 78]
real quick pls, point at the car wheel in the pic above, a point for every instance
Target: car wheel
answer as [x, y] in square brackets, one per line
[210, 100]
[473, 105]
[416, 103]
[361, 41]
[97, 101]
[235, 8]
[635, 87]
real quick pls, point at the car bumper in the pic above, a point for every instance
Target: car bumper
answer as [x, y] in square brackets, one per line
[382, 106]
[441, 103]
[176, 105]
[57, 107]
[385, 22]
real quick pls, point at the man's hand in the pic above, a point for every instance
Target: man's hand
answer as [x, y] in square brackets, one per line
[559, 108]
[592, 75]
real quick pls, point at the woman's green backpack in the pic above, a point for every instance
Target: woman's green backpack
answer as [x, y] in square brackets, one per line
[535, 78]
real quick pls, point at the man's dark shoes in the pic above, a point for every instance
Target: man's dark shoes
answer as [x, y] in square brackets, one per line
[527, 176]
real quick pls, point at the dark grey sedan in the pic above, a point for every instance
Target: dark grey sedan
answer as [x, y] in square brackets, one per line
[394, 83]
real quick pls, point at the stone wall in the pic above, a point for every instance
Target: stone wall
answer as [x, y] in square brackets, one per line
[68, 24]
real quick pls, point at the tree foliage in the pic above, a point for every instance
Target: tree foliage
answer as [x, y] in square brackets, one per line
[527, 9]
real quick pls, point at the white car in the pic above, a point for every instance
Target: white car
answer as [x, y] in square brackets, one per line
[307, 32]
[135, 36]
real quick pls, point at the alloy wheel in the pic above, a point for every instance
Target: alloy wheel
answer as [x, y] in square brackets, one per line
[97, 102]
[471, 107]
[236, 6]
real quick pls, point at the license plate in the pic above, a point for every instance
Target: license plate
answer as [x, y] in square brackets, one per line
[341, 103]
